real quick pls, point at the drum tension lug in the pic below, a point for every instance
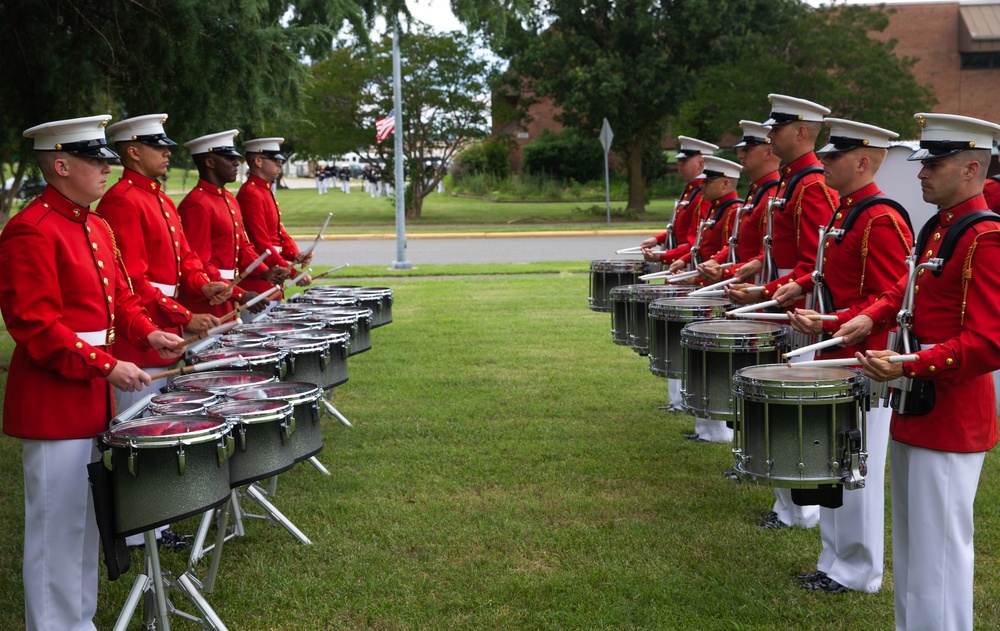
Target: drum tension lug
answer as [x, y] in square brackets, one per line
[132, 463]
[181, 458]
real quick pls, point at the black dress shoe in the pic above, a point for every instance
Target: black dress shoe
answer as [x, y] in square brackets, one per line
[732, 475]
[771, 522]
[810, 577]
[825, 584]
[174, 541]
[693, 437]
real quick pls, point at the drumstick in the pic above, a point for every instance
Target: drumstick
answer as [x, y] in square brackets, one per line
[851, 361]
[636, 250]
[250, 268]
[656, 275]
[717, 286]
[218, 330]
[813, 347]
[304, 273]
[679, 277]
[302, 255]
[215, 363]
[784, 316]
[706, 294]
[330, 271]
[136, 409]
[235, 312]
[754, 307]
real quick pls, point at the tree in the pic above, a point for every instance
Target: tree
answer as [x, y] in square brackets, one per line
[444, 84]
[827, 57]
[209, 65]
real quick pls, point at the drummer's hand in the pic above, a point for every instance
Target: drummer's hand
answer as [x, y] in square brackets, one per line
[710, 271]
[737, 296]
[651, 256]
[802, 324]
[855, 330]
[305, 281]
[651, 242]
[202, 322]
[127, 377]
[275, 274]
[165, 343]
[748, 270]
[258, 307]
[217, 291]
[787, 294]
[677, 266]
[304, 261]
[876, 368]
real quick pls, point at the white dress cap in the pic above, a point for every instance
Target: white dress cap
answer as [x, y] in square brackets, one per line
[83, 137]
[693, 147]
[220, 143]
[946, 134]
[146, 129]
[788, 109]
[846, 135]
[753, 134]
[717, 167]
[270, 147]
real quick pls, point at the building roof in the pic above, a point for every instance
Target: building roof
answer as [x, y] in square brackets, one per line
[979, 29]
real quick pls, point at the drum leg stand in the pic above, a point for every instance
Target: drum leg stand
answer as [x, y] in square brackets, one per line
[333, 410]
[153, 580]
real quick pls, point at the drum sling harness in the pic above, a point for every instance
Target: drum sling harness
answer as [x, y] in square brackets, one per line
[769, 273]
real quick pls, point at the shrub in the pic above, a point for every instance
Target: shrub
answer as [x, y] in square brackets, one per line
[491, 156]
[570, 155]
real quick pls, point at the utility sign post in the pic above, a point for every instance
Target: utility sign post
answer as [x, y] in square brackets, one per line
[606, 137]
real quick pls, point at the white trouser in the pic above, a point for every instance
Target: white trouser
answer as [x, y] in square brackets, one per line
[854, 535]
[712, 431]
[346, 186]
[251, 317]
[60, 535]
[996, 388]
[788, 511]
[674, 394]
[125, 400]
[932, 528]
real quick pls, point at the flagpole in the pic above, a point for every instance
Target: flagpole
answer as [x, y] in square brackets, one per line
[397, 103]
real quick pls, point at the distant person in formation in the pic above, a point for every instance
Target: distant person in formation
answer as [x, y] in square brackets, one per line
[345, 180]
[262, 217]
[947, 423]
[807, 204]
[320, 175]
[859, 265]
[65, 300]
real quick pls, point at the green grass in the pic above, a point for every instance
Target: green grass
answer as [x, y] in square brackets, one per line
[508, 469]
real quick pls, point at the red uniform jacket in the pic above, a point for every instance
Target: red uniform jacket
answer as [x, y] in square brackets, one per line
[689, 200]
[698, 209]
[991, 191]
[956, 312]
[262, 221]
[795, 228]
[214, 228]
[750, 239]
[61, 277]
[713, 237]
[869, 260]
[154, 250]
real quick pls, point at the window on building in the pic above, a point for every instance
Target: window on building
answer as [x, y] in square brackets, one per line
[980, 60]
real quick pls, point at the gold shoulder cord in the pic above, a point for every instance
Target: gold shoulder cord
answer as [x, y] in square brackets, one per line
[967, 270]
[118, 254]
[864, 244]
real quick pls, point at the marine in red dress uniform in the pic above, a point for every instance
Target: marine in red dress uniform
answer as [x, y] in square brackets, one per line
[866, 258]
[65, 300]
[936, 457]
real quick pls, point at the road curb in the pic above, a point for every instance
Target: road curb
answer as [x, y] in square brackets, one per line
[474, 235]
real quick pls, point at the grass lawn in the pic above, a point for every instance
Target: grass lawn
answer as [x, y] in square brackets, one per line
[508, 469]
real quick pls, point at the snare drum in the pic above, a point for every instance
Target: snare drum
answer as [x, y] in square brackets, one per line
[262, 431]
[219, 382]
[256, 359]
[714, 350]
[355, 321]
[378, 299]
[165, 403]
[637, 315]
[307, 441]
[619, 314]
[166, 468]
[667, 316]
[318, 357]
[270, 328]
[245, 340]
[605, 275]
[800, 427]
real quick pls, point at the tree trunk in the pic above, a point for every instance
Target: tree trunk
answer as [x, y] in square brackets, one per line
[414, 197]
[636, 179]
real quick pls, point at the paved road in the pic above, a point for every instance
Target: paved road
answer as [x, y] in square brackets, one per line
[452, 250]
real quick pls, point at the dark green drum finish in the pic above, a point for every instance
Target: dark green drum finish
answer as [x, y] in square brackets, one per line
[619, 314]
[713, 351]
[667, 316]
[307, 441]
[607, 274]
[639, 298]
[166, 468]
[262, 431]
[318, 356]
[263, 360]
[800, 427]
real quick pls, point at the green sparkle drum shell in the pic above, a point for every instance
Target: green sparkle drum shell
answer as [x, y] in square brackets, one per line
[607, 274]
[639, 299]
[793, 423]
[667, 316]
[166, 468]
[307, 440]
[619, 314]
[318, 356]
[261, 431]
[265, 360]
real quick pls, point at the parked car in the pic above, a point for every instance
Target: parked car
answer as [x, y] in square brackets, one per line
[31, 186]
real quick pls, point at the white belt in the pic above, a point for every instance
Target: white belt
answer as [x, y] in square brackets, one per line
[168, 290]
[227, 274]
[97, 338]
[276, 249]
[783, 272]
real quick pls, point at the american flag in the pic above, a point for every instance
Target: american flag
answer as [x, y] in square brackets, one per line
[385, 126]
